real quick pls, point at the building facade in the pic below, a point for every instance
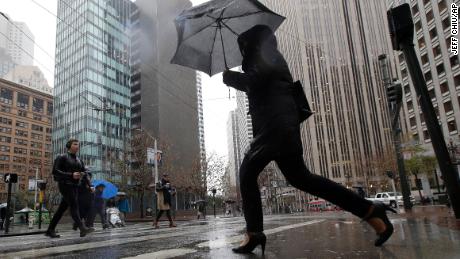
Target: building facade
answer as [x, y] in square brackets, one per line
[199, 90]
[234, 160]
[30, 76]
[92, 82]
[25, 134]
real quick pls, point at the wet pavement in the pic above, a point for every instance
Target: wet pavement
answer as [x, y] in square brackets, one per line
[326, 235]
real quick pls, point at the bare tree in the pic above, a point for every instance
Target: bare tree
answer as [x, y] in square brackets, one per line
[215, 172]
[140, 173]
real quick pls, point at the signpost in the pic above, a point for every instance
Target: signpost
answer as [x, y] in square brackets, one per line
[9, 179]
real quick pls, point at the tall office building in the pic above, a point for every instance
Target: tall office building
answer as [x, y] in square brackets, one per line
[16, 44]
[199, 88]
[333, 49]
[165, 97]
[21, 45]
[30, 76]
[441, 70]
[92, 81]
[234, 159]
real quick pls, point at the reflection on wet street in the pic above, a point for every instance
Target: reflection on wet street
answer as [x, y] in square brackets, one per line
[328, 235]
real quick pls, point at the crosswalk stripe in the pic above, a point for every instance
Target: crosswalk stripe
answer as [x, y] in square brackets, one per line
[164, 254]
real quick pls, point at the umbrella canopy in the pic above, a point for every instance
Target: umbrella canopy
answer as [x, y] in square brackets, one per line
[207, 34]
[110, 190]
[121, 193]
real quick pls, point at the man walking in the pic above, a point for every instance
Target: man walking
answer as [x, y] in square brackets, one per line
[68, 170]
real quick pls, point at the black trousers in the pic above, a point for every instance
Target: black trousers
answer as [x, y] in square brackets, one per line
[93, 213]
[69, 199]
[297, 174]
[168, 214]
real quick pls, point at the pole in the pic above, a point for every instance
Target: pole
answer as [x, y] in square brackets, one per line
[36, 187]
[156, 160]
[396, 130]
[214, 203]
[8, 202]
[394, 191]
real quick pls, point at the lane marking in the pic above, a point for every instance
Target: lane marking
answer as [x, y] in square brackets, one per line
[164, 254]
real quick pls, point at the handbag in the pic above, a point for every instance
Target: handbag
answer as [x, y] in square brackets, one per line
[303, 107]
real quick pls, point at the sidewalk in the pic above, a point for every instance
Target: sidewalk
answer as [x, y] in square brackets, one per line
[440, 215]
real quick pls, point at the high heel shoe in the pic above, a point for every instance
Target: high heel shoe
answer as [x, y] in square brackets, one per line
[251, 241]
[376, 214]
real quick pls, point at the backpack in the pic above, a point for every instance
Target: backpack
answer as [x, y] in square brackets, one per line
[303, 108]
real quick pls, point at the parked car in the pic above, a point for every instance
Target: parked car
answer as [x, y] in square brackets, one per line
[390, 198]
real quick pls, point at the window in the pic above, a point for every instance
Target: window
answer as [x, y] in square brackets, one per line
[444, 88]
[442, 6]
[5, 139]
[426, 136]
[21, 142]
[414, 10]
[413, 122]
[425, 60]
[448, 107]
[6, 96]
[21, 124]
[404, 73]
[4, 167]
[5, 130]
[37, 128]
[23, 101]
[437, 51]
[432, 94]
[421, 43]
[454, 61]
[410, 105]
[35, 153]
[5, 121]
[429, 16]
[49, 111]
[37, 117]
[445, 23]
[18, 150]
[4, 148]
[36, 144]
[22, 133]
[48, 138]
[38, 105]
[19, 159]
[37, 136]
[22, 113]
[452, 126]
[5, 109]
[406, 89]
[440, 69]
[48, 130]
[425, 2]
[418, 26]
[428, 76]
[457, 80]
[4, 158]
[433, 33]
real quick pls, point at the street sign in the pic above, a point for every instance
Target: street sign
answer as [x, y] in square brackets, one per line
[10, 178]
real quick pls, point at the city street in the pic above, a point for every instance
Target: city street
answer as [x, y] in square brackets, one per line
[320, 235]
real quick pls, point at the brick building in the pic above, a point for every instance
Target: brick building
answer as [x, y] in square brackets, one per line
[25, 134]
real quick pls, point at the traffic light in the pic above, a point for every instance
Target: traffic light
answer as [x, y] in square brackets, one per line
[394, 93]
[401, 25]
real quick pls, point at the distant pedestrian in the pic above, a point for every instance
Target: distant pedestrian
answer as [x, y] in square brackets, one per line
[269, 86]
[164, 196]
[123, 206]
[99, 207]
[68, 171]
[201, 206]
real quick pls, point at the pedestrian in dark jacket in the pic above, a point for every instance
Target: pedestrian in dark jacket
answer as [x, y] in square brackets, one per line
[268, 83]
[164, 196]
[68, 171]
[99, 207]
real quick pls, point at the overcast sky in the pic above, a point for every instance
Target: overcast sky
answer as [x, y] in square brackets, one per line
[42, 23]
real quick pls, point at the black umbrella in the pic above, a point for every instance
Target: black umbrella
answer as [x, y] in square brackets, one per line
[207, 34]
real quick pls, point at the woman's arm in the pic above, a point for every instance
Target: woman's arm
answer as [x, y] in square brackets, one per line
[237, 80]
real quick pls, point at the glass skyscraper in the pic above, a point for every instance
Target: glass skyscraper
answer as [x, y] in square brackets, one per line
[92, 82]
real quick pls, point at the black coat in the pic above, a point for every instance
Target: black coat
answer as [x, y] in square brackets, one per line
[267, 82]
[64, 166]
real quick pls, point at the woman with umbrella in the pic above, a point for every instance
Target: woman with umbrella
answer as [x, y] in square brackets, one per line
[276, 126]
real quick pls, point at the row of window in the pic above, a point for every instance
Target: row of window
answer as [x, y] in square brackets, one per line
[23, 101]
[23, 159]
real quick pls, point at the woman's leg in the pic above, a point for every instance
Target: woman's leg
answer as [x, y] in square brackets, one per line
[252, 165]
[297, 174]
[160, 212]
